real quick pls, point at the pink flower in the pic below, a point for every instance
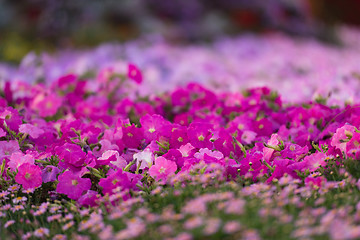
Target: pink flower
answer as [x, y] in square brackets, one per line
[199, 135]
[274, 141]
[121, 179]
[11, 118]
[8, 148]
[70, 155]
[187, 150]
[315, 182]
[315, 161]
[134, 73]
[341, 135]
[18, 158]
[215, 154]
[152, 125]
[72, 185]
[46, 105]
[2, 133]
[30, 129]
[132, 136]
[352, 147]
[111, 157]
[162, 169]
[248, 136]
[89, 198]
[29, 176]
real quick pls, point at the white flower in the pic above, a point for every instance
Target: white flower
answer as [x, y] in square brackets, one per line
[145, 158]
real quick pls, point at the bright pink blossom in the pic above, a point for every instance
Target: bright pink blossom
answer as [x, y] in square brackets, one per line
[273, 142]
[162, 169]
[341, 135]
[134, 73]
[29, 176]
[120, 179]
[72, 185]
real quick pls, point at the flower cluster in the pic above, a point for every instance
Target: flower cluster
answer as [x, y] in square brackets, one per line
[97, 142]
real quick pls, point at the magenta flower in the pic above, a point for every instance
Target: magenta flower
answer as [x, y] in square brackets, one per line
[11, 117]
[315, 182]
[134, 73]
[89, 198]
[117, 179]
[72, 185]
[132, 136]
[152, 126]
[162, 169]
[199, 135]
[29, 176]
[70, 155]
[178, 136]
[180, 97]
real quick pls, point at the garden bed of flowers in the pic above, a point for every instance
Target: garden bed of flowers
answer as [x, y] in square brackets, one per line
[242, 139]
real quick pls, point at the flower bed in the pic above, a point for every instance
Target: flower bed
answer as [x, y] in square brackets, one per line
[103, 155]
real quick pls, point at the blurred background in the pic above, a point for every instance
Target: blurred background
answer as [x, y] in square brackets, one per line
[45, 25]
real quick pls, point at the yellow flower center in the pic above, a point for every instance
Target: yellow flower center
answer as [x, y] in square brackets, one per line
[74, 182]
[201, 138]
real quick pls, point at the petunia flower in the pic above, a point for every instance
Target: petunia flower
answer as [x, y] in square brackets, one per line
[18, 158]
[145, 159]
[117, 179]
[29, 176]
[46, 105]
[89, 198]
[199, 135]
[70, 154]
[152, 126]
[8, 148]
[134, 73]
[162, 169]
[111, 157]
[341, 136]
[72, 185]
[30, 129]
